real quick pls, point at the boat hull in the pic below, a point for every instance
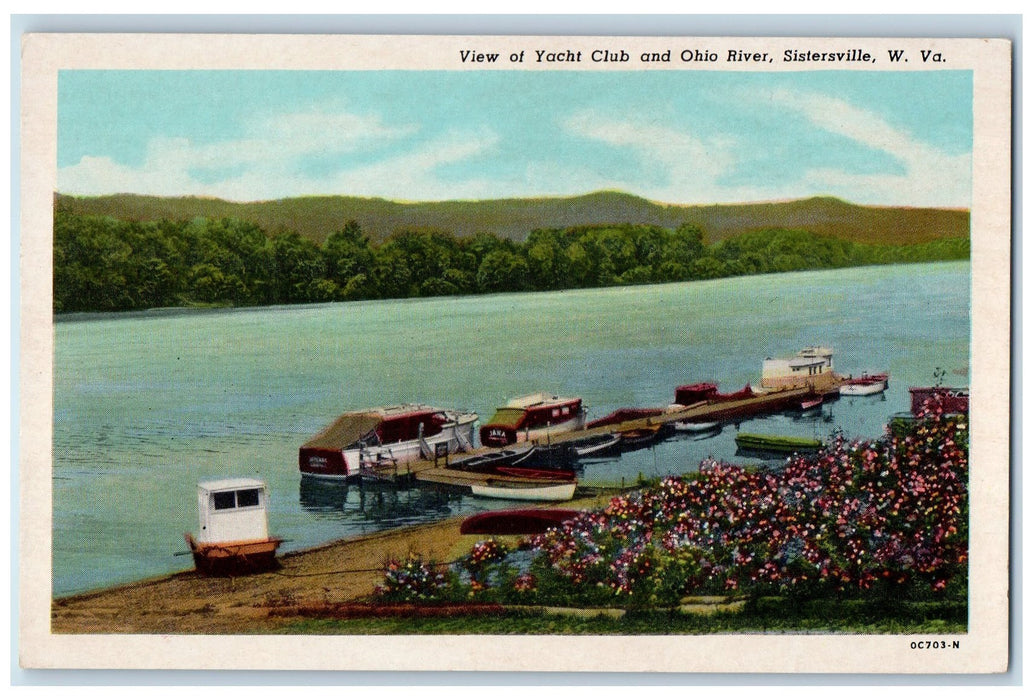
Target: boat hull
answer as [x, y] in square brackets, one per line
[516, 522]
[777, 443]
[350, 463]
[234, 558]
[522, 492]
[502, 436]
[639, 437]
[602, 445]
[532, 418]
[686, 427]
[862, 389]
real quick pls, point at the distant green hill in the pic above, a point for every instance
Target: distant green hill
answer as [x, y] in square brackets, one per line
[317, 217]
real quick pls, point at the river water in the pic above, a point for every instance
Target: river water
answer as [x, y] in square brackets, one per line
[147, 404]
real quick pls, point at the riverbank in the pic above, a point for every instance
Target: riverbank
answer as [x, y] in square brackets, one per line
[341, 572]
[190, 603]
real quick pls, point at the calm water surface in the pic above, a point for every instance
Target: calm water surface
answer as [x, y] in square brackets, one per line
[146, 405]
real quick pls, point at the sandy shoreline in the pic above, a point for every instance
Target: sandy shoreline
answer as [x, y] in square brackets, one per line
[189, 603]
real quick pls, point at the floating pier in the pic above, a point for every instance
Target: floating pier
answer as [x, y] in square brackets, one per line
[437, 471]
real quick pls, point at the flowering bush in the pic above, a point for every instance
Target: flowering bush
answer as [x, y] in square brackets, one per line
[411, 581]
[885, 517]
[482, 560]
[868, 516]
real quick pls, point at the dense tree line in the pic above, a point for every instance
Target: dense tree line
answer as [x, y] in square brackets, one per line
[106, 264]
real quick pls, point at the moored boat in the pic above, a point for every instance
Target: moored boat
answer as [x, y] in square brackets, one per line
[525, 490]
[689, 427]
[532, 417]
[812, 367]
[639, 437]
[623, 415]
[810, 403]
[706, 392]
[391, 435]
[488, 461]
[598, 445]
[777, 443]
[234, 530]
[865, 385]
[541, 474]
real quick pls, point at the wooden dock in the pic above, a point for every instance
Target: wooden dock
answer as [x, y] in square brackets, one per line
[437, 471]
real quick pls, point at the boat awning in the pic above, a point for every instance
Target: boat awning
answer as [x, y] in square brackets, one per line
[507, 418]
[347, 429]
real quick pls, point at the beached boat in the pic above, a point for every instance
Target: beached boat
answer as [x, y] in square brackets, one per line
[865, 385]
[234, 530]
[525, 490]
[532, 417]
[777, 443]
[517, 521]
[391, 435]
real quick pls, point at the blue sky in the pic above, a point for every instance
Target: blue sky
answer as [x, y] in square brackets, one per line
[685, 137]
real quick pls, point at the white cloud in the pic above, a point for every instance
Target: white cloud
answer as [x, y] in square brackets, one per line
[693, 167]
[688, 165]
[268, 160]
[412, 176]
[931, 177]
[268, 154]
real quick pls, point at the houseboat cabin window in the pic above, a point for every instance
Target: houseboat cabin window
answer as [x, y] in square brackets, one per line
[225, 500]
[247, 498]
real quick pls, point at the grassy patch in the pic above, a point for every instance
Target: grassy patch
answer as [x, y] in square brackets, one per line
[766, 615]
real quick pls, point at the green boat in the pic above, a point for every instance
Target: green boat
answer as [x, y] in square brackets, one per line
[777, 443]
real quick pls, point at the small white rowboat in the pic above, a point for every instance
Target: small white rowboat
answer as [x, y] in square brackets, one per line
[862, 388]
[511, 491]
[686, 427]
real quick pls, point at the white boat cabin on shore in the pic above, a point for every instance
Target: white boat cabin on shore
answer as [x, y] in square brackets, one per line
[232, 510]
[798, 370]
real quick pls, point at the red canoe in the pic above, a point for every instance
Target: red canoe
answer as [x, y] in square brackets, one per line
[523, 521]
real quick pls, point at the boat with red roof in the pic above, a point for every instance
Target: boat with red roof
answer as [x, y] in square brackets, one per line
[362, 440]
[532, 417]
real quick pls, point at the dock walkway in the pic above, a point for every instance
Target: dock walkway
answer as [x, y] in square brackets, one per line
[436, 471]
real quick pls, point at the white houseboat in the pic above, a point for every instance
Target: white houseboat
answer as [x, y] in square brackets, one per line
[809, 367]
[234, 529]
[389, 435]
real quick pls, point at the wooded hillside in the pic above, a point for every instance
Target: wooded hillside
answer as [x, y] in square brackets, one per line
[316, 218]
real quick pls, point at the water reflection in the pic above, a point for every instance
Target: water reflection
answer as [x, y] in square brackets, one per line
[377, 502]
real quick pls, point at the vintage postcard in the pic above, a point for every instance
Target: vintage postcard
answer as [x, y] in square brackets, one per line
[515, 353]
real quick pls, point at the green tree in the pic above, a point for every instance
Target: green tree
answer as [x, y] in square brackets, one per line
[502, 271]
